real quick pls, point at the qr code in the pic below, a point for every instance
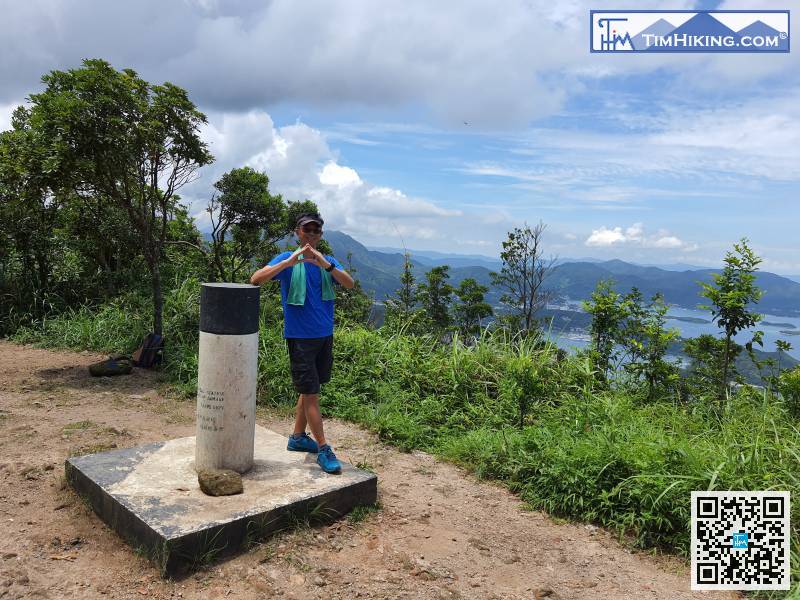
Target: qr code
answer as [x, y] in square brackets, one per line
[740, 540]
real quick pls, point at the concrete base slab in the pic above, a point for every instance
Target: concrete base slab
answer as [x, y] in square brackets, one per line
[151, 497]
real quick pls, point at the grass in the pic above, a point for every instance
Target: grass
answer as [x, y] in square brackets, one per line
[582, 451]
[92, 449]
[362, 513]
[72, 428]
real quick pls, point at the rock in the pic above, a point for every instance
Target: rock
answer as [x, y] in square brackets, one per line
[220, 482]
[319, 581]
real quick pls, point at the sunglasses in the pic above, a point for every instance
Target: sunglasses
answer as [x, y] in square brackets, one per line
[316, 230]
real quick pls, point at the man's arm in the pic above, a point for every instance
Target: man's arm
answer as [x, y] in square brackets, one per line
[270, 271]
[341, 276]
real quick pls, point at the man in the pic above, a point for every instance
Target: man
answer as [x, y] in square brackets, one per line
[307, 281]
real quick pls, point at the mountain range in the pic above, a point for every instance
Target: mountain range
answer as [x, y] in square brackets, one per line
[379, 273]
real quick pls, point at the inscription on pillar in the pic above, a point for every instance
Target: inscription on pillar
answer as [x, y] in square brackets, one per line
[211, 404]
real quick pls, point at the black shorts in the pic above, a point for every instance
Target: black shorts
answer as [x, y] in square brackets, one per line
[311, 361]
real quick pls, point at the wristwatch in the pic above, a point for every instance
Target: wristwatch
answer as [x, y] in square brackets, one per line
[331, 268]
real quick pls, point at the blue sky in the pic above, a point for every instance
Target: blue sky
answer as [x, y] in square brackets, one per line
[442, 127]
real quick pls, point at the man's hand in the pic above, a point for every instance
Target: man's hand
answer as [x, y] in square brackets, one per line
[295, 257]
[313, 256]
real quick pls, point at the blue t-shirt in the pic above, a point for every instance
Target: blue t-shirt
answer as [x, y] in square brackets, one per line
[315, 318]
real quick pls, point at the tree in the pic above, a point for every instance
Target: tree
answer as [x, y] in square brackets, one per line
[523, 274]
[789, 387]
[407, 292]
[435, 295]
[472, 308]
[731, 294]
[110, 135]
[401, 309]
[29, 212]
[707, 355]
[244, 218]
[608, 313]
[645, 341]
[782, 346]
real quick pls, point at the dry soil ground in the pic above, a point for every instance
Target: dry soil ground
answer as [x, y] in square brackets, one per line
[439, 534]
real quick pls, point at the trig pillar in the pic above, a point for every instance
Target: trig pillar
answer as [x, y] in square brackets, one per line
[226, 376]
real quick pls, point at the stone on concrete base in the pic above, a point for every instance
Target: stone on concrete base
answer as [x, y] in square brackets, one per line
[151, 497]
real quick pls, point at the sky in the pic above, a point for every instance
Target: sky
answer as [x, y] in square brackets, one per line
[442, 126]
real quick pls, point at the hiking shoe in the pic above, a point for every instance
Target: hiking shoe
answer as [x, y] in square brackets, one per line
[328, 461]
[301, 442]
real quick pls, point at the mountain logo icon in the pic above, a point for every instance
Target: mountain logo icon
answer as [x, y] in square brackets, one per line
[689, 31]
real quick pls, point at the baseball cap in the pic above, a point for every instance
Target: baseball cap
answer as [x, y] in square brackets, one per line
[309, 218]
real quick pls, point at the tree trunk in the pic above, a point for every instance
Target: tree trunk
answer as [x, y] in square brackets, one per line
[725, 362]
[158, 299]
[107, 272]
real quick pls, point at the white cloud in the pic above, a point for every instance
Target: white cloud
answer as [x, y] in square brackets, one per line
[6, 111]
[333, 174]
[668, 241]
[456, 61]
[633, 236]
[605, 237]
[300, 164]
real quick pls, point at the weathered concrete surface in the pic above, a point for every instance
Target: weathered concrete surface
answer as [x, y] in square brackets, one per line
[226, 401]
[151, 497]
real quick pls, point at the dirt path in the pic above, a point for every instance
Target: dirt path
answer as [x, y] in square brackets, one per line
[440, 533]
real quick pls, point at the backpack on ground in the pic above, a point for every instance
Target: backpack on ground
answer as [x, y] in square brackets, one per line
[150, 353]
[116, 364]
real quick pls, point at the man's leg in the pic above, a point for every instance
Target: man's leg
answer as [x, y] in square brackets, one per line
[313, 416]
[300, 421]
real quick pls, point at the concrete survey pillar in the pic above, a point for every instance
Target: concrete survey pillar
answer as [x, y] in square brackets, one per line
[226, 376]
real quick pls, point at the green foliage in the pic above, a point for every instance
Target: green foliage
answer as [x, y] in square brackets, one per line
[354, 305]
[246, 221]
[471, 308]
[608, 313]
[435, 296]
[402, 312]
[645, 341]
[630, 336]
[522, 276]
[707, 355]
[114, 139]
[731, 295]
[362, 512]
[789, 387]
[782, 347]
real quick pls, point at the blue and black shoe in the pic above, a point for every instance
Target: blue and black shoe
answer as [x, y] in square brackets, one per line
[328, 461]
[301, 442]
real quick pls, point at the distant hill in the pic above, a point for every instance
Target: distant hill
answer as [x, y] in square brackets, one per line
[379, 272]
[675, 266]
[577, 280]
[573, 322]
[433, 258]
